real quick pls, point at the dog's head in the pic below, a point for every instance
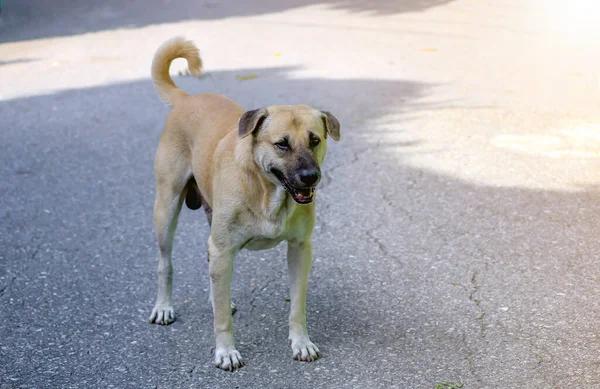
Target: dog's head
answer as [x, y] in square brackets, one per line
[289, 145]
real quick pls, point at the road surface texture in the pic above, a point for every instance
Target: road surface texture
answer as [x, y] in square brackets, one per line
[457, 232]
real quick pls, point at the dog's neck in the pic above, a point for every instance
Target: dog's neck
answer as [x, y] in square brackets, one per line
[263, 197]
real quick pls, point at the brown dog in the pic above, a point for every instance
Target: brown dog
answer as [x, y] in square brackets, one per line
[257, 170]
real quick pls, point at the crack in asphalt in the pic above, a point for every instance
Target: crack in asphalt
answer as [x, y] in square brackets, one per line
[191, 371]
[380, 246]
[355, 158]
[477, 301]
[470, 355]
[269, 282]
[252, 300]
[479, 319]
[390, 203]
[543, 356]
[265, 286]
[7, 286]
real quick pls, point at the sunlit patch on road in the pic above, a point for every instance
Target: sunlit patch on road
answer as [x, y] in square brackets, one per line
[583, 142]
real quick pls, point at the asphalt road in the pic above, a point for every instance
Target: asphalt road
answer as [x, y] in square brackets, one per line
[456, 238]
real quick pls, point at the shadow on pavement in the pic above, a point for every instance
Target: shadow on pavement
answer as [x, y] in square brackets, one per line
[33, 19]
[406, 261]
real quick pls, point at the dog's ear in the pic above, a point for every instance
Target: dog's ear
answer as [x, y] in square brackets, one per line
[332, 125]
[251, 121]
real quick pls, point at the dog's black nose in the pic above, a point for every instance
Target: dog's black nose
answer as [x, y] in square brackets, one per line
[309, 177]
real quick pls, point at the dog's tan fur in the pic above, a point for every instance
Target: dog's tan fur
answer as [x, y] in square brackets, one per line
[237, 165]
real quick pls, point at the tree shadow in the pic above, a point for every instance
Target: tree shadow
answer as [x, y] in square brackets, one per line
[18, 61]
[33, 19]
[411, 267]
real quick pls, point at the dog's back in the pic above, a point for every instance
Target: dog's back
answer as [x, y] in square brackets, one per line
[198, 123]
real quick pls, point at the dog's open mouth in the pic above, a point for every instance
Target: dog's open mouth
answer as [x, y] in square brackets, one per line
[301, 196]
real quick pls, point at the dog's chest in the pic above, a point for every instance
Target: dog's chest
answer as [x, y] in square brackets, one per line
[262, 243]
[266, 234]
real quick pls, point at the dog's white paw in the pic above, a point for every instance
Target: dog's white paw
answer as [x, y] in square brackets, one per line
[228, 359]
[162, 314]
[303, 349]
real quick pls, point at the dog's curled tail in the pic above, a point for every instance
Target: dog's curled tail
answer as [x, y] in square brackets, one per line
[177, 47]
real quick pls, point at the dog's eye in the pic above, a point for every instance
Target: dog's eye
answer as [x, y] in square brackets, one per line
[314, 141]
[283, 144]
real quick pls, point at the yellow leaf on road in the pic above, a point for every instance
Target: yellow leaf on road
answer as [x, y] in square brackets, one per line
[244, 78]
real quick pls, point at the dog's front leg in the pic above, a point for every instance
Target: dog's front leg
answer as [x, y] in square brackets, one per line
[220, 270]
[299, 260]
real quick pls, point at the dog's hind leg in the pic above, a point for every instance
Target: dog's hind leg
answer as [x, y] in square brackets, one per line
[207, 210]
[171, 178]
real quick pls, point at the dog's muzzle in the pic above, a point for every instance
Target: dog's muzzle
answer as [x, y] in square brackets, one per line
[304, 194]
